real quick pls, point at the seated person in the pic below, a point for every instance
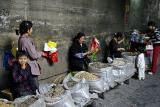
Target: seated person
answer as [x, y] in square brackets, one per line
[114, 46]
[22, 78]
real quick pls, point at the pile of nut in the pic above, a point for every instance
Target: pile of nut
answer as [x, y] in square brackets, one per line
[5, 104]
[28, 102]
[99, 65]
[118, 62]
[86, 75]
[70, 84]
[131, 53]
[55, 92]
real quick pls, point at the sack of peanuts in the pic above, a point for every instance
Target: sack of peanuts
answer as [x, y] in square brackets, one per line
[79, 90]
[56, 96]
[96, 83]
[103, 70]
[29, 101]
[6, 103]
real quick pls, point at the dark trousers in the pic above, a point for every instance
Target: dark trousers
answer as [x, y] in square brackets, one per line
[35, 77]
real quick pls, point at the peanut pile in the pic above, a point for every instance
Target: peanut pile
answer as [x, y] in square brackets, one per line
[118, 62]
[86, 75]
[27, 102]
[99, 65]
[131, 53]
[4, 104]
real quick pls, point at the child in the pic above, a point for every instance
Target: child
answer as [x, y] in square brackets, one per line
[141, 65]
[22, 77]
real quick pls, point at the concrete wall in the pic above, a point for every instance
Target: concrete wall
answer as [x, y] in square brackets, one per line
[142, 11]
[60, 20]
[61, 17]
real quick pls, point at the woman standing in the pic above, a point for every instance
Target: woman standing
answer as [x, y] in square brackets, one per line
[114, 45]
[25, 43]
[78, 60]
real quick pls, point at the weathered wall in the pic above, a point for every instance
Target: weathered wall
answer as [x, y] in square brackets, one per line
[61, 17]
[59, 20]
[142, 11]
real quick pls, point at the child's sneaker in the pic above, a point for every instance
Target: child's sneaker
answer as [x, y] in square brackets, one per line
[150, 73]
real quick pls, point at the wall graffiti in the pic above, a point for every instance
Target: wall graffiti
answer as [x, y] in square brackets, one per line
[4, 12]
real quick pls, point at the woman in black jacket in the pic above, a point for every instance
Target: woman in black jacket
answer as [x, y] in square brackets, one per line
[114, 45]
[78, 60]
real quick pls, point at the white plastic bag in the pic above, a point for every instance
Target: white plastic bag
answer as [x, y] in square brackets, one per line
[80, 94]
[123, 72]
[104, 71]
[19, 102]
[47, 48]
[44, 88]
[66, 80]
[62, 101]
[80, 91]
[97, 86]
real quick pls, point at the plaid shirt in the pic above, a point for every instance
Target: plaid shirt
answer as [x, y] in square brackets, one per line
[22, 80]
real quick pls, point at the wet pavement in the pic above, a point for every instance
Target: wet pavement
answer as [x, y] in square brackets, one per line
[144, 93]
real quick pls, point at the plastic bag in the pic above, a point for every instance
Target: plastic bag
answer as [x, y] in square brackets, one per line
[14, 51]
[51, 49]
[44, 88]
[27, 102]
[8, 60]
[47, 48]
[62, 101]
[52, 44]
[94, 47]
[123, 72]
[54, 56]
[66, 80]
[6, 103]
[104, 71]
[127, 56]
[80, 91]
[80, 94]
[98, 85]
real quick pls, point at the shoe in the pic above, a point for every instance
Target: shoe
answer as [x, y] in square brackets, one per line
[150, 73]
[126, 82]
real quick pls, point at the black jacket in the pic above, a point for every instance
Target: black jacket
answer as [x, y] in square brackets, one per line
[77, 63]
[113, 46]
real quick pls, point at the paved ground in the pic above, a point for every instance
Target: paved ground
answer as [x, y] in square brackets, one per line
[137, 94]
